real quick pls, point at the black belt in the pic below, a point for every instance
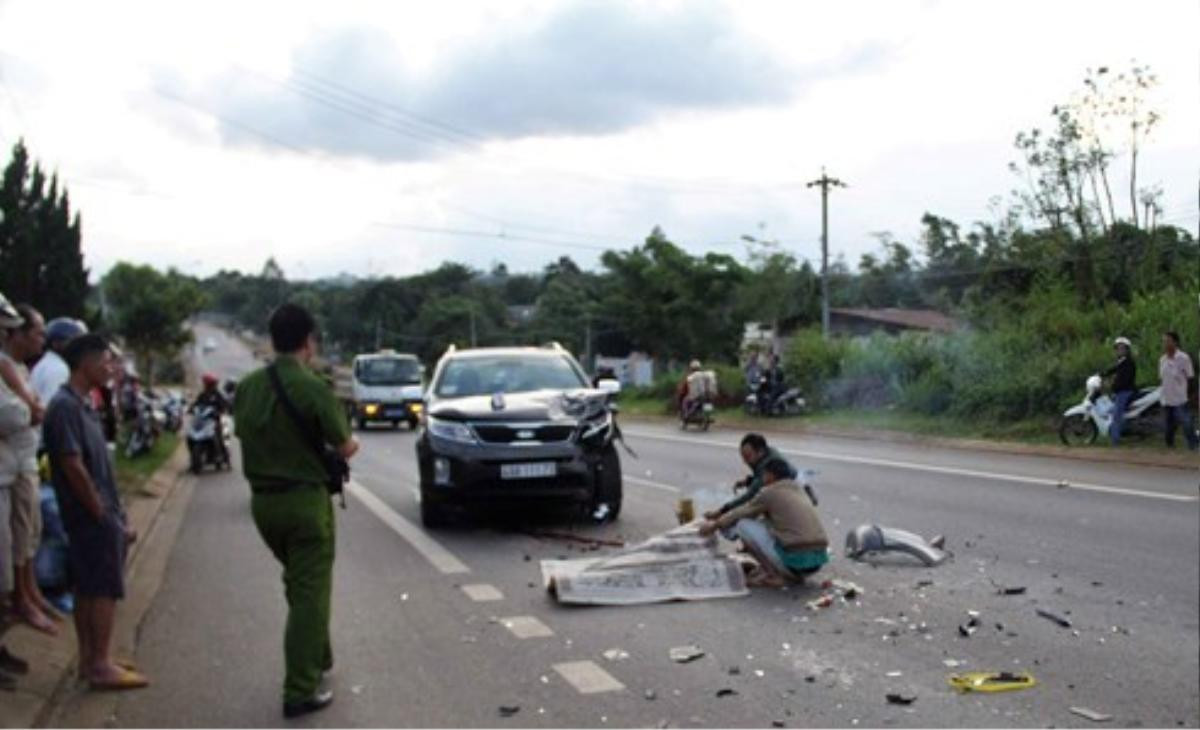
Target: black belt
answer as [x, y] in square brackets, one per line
[282, 488]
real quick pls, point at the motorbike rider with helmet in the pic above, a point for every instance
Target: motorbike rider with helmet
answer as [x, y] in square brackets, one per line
[212, 397]
[1124, 385]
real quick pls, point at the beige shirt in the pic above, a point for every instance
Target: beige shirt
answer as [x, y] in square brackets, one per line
[1174, 373]
[788, 513]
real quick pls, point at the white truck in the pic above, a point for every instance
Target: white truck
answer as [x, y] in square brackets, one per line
[384, 386]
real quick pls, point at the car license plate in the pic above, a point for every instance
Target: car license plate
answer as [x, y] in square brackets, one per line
[396, 413]
[529, 470]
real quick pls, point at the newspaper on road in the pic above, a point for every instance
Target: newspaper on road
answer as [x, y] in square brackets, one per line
[679, 565]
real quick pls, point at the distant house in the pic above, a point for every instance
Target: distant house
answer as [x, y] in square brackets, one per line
[890, 320]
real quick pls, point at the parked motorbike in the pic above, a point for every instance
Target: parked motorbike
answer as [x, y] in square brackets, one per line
[759, 401]
[205, 447]
[1081, 424]
[145, 429]
[172, 409]
[697, 411]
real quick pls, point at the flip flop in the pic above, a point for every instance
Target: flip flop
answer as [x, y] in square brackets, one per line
[127, 679]
[762, 579]
[126, 664]
[45, 625]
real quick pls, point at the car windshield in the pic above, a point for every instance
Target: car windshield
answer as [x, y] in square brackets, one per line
[388, 371]
[469, 376]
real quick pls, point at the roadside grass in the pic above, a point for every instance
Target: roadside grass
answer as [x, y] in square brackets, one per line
[132, 474]
[1041, 431]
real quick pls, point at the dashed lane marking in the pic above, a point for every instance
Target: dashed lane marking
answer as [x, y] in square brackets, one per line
[481, 592]
[588, 678]
[526, 627]
[438, 556]
[953, 471]
[655, 485]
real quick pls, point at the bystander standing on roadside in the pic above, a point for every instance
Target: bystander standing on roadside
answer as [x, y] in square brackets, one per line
[290, 503]
[51, 371]
[1124, 374]
[85, 483]
[1175, 370]
[21, 344]
[14, 416]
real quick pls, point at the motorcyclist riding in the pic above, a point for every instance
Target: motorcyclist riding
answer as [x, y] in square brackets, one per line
[212, 397]
[1124, 385]
[683, 395]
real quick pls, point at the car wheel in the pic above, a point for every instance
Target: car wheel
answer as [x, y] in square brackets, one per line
[395, 425]
[608, 484]
[360, 423]
[413, 423]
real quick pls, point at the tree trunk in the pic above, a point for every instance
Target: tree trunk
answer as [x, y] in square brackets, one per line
[1112, 210]
[1096, 196]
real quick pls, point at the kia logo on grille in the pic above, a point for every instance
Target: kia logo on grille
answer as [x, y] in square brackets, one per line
[524, 434]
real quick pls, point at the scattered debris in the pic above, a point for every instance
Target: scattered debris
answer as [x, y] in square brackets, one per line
[1091, 714]
[899, 699]
[573, 538]
[895, 674]
[1012, 591]
[759, 673]
[1097, 584]
[953, 663]
[992, 681]
[735, 670]
[685, 654]
[1063, 622]
[650, 695]
[1063, 484]
[817, 604]
[726, 692]
[867, 539]
[527, 557]
[811, 679]
[509, 710]
[403, 596]
[356, 689]
[924, 583]
[615, 655]
[971, 626]
[777, 723]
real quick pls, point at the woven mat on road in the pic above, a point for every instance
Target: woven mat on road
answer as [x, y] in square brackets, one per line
[678, 565]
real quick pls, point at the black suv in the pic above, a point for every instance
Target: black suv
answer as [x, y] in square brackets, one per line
[517, 423]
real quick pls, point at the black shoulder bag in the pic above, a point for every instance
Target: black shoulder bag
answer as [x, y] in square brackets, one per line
[336, 468]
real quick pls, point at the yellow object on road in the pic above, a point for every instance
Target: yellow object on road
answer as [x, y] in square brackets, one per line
[992, 681]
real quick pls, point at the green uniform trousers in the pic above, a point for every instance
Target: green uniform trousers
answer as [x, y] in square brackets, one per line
[298, 527]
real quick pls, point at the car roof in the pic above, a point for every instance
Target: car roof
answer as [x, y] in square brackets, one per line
[480, 352]
[389, 355]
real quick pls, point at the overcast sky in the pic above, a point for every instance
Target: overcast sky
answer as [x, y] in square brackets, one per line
[386, 138]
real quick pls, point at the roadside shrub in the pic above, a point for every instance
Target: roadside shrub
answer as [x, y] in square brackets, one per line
[811, 362]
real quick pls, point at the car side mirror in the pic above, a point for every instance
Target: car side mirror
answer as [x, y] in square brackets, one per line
[609, 385]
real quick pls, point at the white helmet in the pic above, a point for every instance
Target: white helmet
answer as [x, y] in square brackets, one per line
[9, 317]
[1123, 341]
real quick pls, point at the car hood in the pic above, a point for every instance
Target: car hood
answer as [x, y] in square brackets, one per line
[540, 405]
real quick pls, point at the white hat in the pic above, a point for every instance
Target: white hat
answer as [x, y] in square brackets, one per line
[1123, 341]
[9, 316]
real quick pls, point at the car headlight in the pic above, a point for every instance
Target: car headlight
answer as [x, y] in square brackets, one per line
[371, 408]
[597, 427]
[451, 430]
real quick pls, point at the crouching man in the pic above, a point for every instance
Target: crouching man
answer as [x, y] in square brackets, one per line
[779, 527]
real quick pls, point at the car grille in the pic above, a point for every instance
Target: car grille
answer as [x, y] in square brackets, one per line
[500, 433]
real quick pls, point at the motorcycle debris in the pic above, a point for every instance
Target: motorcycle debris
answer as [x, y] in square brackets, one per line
[895, 698]
[509, 710]
[953, 663]
[824, 601]
[1063, 622]
[1012, 591]
[650, 695]
[895, 674]
[924, 583]
[777, 723]
[615, 655]
[726, 692]
[685, 654]
[1091, 714]
[992, 681]
[734, 671]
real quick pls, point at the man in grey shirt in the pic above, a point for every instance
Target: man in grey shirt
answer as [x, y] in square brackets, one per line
[86, 486]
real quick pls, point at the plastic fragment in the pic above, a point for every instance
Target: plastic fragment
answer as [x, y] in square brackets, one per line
[726, 692]
[509, 710]
[895, 698]
[992, 681]
[1091, 714]
[685, 654]
[1063, 622]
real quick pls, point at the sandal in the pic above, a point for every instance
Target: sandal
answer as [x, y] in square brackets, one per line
[127, 679]
[763, 579]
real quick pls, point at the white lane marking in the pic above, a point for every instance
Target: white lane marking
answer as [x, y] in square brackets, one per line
[526, 627]
[481, 592]
[438, 556]
[588, 678]
[656, 485]
[953, 471]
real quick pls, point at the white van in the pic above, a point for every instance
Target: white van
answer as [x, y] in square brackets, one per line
[387, 386]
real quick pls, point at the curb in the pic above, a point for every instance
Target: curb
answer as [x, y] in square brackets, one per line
[53, 659]
[1182, 461]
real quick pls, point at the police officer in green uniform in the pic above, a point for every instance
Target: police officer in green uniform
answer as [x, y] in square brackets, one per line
[291, 506]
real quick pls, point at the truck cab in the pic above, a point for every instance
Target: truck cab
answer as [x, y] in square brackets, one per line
[387, 386]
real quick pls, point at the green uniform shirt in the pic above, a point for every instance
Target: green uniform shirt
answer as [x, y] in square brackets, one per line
[274, 451]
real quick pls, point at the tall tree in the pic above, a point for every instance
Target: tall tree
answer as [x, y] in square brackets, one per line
[149, 310]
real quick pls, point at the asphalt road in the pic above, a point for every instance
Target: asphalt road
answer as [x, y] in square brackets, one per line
[1115, 550]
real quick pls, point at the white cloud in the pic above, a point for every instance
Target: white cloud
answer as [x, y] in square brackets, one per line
[929, 129]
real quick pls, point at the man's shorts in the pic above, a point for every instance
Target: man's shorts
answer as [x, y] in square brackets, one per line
[6, 551]
[96, 557]
[26, 518]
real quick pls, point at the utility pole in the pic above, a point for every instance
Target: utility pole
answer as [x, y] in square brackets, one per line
[825, 182]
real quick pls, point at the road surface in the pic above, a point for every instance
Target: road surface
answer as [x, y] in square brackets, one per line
[444, 628]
